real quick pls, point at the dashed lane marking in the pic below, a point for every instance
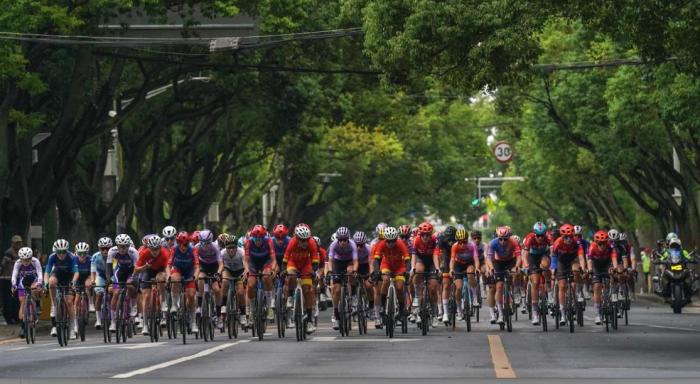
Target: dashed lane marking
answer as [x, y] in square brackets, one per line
[501, 364]
[170, 363]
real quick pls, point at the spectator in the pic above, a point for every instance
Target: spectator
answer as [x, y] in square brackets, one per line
[9, 304]
[646, 268]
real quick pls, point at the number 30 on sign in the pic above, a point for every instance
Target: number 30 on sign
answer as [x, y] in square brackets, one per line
[503, 152]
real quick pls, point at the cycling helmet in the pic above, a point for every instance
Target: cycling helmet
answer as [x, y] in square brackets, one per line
[169, 232]
[391, 233]
[476, 235]
[154, 242]
[182, 238]
[258, 231]
[25, 253]
[503, 232]
[359, 237]
[60, 245]
[613, 234]
[241, 242]
[317, 240]
[425, 227]
[123, 239]
[302, 231]
[205, 236]
[577, 229]
[461, 234]
[342, 233]
[674, 242]
[334, 237]
[516, 238]
[144, 240]
[414, 232]
[405, 230]
[539, 228]
[380, 227]
[280, 231]
[671, 235]
[82, 247]
[104, 242]
[623, 236]
[601, 236]
[195, 237]
[230, 242]
[222, 238]
[449, 233]
[566, 230]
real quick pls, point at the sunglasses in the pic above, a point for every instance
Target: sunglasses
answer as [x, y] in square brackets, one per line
[104, 249]
[122, 246]
[61, 252]
[170, 239]
[391, 241]
[303, 240]
[503, 239]
[343, 240]
[258, 239]
[154, 248]
[82, 253]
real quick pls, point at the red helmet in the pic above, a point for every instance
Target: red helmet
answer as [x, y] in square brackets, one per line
[195, 237]
[404, 230]
[182, 238]
[503, 231]
[601, 236]
[567, 230]
[258, 231]
[280, 231]
[425, 227]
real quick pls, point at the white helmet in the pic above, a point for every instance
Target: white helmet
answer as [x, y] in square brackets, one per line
[675, 241]
[60, 245]
[516, 238]
[342, 233]
[104, 242]
[82, 247]
[613, 234]
[154, 242]
[123, 239]
[623, 236]
[671, 235]
[391, 233]
[25, 253]
[302, 232]
[334, 237]
[169, 232]
[577, 229]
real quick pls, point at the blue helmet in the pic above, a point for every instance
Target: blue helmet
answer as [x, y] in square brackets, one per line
[539, 228]
[241, 242]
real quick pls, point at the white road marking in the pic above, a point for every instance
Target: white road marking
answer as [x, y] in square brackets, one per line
[335, 338]
[16, 349]
[170, 363]
[115, 346]
[665, 327]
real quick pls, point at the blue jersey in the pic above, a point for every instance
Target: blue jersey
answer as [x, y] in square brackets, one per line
[585, 244]
[98, 265]
[280, 248]
[66, 266]
[184, 260]
[83, 266]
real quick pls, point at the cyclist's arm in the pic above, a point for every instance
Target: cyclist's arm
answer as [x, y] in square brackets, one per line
[15, 272]
[76, 273]
[581, 259]
[436, 256]
[614, 257]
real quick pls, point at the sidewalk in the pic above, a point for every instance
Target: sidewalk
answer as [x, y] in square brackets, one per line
[8, 332]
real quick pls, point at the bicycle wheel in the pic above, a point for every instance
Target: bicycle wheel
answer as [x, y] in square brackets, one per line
[260, 314]
[31, 328]
[467, 305]
[508, 309]
[361, 320]
[452, 307]
[342, 307]
[348, 312]
[390, 312]
[184, 320]
[83, 318]
[626, 302]
[28, 320]
[298, 316]
[528, 299]
[212, 316]
[204, 326]
[570, 309]
[543, 313]
[280, 312]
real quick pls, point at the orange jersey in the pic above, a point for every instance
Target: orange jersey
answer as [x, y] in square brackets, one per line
[295, 253]
[571, 248]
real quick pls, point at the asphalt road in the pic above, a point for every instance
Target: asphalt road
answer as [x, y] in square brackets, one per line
[657, 344]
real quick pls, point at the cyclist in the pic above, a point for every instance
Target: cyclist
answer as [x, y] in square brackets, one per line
[536, 261]
[169, 234]
[26, 272]
[84, 264]
[233, 269]
[61, 270]
[464, 260]
[322, 267]
[569, 259]
[183, 265]
[151, 265]
[391, 257]
[210, 265]
[625, 251]
[406, 234]
[259, 259]
[280, 240]
[425, 258]
[98, 270]
[445, 242]
[519, 279]
[364, 267]
[600, 255]
[342, 256]
[301, 263]
[120, 265]
[503, 255]
[578, 235]
[481, 249]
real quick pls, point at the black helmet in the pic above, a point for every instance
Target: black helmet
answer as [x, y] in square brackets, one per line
[476, 234]
[450, 233]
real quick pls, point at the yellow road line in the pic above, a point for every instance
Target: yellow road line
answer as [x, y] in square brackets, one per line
[501, 365]
[9, 340]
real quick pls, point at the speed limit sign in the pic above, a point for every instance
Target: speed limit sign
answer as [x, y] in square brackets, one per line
[503, 152]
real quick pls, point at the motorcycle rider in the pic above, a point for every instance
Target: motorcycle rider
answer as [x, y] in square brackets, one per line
[675, 245]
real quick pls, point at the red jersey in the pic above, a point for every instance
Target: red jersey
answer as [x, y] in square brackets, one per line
[571, 248]
[535, 244]
[298, 255]
[323, 256]
[157, 263]
[608, 251]
[426, 249]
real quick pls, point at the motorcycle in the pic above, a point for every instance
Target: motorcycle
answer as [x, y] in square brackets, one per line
[677, 279]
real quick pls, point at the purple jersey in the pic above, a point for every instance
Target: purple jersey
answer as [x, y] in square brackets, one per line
[208, 254]
[342, 252]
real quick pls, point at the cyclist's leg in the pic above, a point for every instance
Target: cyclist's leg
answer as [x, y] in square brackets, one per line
[160, 278]
[419, 279]
[546, 274]
[175, 287]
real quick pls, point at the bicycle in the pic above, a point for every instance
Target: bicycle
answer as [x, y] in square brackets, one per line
[570, 301]
[259, 307]
[62, 316]
[624, 296]
[280, 307]
[608, 309]
[299, 315]
[81, 311]
[425, 310]
[106, 313]
[467, 300]
[124, 322]
[344, 305]
[542, 302]
[207, 318]
[362, 305]
[181, 319]
[393, 308]
[153, 313]
[30, 315]
[508, 302]
[233, 317]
